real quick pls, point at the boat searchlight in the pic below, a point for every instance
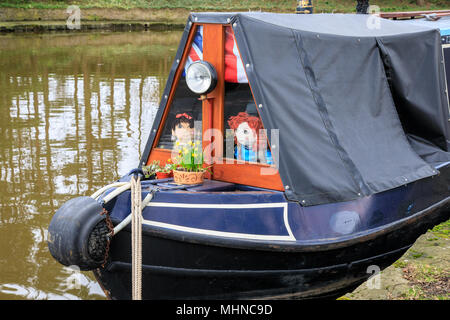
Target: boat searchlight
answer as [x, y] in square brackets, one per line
[201, 77]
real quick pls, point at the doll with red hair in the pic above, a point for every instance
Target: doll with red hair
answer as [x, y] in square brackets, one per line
[250, 139]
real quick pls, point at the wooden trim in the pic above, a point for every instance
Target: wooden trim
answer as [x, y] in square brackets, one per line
[160, 155]
[443, 14]
[214, 53]
[207, 110]
[412, 14]
[172, 90]
[248, 174]
[218, 108]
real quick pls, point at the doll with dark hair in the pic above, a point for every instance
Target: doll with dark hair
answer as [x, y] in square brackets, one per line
[183, 128]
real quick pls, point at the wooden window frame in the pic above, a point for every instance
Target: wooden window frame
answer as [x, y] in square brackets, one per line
[213, 117]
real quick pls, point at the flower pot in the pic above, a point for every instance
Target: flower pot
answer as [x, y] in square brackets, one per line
[163, 175]
[187, 177]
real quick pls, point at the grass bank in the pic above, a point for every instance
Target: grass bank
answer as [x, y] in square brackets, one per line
[224, 5]
[172, 12]
[422, 273]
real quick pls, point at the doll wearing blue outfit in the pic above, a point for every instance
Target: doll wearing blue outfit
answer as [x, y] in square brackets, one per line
[242, 152]
[249, 146]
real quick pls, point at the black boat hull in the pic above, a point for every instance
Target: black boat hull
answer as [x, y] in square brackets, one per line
[180, 267]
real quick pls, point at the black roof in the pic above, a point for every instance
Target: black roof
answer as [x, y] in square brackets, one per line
[351, 25]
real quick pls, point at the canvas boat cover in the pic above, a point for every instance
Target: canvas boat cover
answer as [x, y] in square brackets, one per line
[360, 105]
[443, 24]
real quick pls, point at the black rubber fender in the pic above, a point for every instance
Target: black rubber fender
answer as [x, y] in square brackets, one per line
[70, 233]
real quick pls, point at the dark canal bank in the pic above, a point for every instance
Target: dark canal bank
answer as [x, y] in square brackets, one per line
[91, 26]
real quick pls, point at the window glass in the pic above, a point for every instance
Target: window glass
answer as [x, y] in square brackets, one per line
[245, 137]
[184, 121]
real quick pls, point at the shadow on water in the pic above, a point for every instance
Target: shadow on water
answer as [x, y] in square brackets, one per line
[76, 110]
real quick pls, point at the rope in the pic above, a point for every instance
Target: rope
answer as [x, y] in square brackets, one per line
[136, 234]
[127, 220]
[112, 185]
[136, 219]
[116, 192]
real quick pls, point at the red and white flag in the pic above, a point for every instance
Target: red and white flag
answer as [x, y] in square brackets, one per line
[234, 68]
[196, 52]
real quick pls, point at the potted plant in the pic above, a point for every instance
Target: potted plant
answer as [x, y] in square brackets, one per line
[151, 169]
[166, 171]
[155, 169]
[189, 164]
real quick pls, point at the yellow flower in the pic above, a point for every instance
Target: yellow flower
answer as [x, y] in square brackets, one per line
[185, 150]
[169, 160]
[177, 143]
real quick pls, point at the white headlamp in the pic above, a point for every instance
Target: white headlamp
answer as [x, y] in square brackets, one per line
[201, 77]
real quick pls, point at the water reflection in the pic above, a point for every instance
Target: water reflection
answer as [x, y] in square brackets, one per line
[76, 110]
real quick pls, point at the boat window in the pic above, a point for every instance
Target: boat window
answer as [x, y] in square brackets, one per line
[245, 137]
[184, 121]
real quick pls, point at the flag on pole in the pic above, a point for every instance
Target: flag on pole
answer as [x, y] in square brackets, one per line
[196, 52]
[234, 69]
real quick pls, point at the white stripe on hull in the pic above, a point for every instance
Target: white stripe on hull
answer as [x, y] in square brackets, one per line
[250, 236]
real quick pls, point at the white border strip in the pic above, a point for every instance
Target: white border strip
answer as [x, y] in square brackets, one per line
[442, 165]
[283, 205]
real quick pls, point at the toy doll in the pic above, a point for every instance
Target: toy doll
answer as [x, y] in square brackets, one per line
[250, 141]
[183, 129]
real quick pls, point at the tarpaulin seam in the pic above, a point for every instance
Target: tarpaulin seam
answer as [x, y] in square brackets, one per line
[445, 93]
[310, 76]
[386, 63]
[437, 137]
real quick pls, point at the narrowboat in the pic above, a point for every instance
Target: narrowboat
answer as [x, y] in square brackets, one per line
[326, 147]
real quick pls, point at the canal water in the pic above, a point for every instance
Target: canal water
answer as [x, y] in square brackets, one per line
[76, 110]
